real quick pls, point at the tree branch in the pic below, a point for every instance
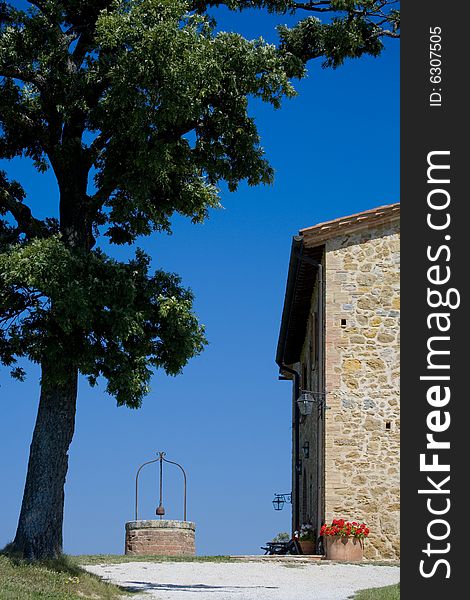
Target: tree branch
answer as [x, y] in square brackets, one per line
[98, 144]
[320, 7]
[81, 48]
[32, 78]
[167, 136]
[388, 33]
[27, 224]
[39, 4]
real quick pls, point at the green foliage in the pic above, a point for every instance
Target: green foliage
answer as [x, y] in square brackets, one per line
[140, 108]
[353, 29]
[281, 537]
[109, 318]
[390, 592]
[115, 559]
[336, 41]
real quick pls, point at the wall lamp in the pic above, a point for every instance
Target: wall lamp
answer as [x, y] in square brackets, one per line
[305, 403]
[280, 500]
[308, 399]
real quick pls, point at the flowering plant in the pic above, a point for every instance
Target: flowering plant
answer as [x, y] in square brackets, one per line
[307, 533]
[281, 537]
[345, 529]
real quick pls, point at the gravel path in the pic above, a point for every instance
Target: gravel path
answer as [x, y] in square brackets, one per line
[246, 580]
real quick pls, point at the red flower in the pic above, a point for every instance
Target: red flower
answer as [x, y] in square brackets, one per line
[345, 528]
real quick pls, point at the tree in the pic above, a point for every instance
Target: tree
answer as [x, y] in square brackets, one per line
[139, 107]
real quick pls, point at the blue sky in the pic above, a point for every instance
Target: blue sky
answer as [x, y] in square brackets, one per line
[335, 150]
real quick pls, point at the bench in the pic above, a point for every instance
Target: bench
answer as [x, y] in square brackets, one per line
[282, 548]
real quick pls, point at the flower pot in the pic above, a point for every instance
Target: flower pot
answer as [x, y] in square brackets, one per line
[345, 548]
[307, 546]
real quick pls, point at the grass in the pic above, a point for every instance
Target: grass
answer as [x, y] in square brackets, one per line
[391, 592]
[114, 559]
[60, 579]
[64, 579]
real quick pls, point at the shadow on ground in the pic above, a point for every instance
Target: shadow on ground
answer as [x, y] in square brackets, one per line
[139, 586]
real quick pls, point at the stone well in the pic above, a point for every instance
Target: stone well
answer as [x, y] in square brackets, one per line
[160, 538]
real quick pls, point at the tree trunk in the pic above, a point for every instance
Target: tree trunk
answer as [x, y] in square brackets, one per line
[39, 533]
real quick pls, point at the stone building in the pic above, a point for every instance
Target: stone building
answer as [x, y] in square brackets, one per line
[339, 344]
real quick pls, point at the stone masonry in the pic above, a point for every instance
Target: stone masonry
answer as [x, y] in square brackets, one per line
[362, 306]
[345, 459]
[160, 538]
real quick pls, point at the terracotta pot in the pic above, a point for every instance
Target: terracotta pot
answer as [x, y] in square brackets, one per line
[338, 547]
[308, 547]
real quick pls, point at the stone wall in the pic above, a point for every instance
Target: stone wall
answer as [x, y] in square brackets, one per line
[160, 538]
[362, 382]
